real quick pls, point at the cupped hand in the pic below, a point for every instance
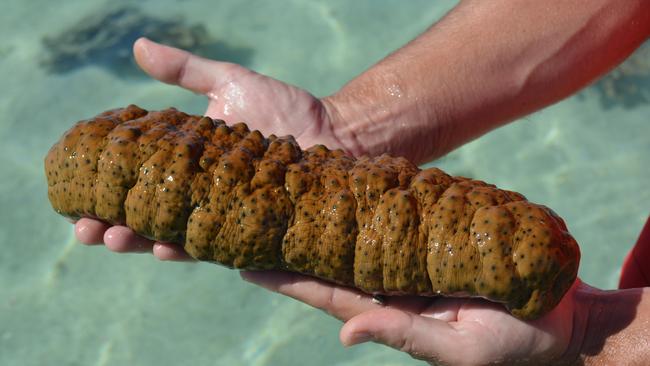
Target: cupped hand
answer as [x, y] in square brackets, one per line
[235, 94]
[439, 330]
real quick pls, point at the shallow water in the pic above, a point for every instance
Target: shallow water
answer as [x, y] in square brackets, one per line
[65, 304]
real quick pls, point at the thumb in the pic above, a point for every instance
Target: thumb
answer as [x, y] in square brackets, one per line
[421, 337]
[178, 67]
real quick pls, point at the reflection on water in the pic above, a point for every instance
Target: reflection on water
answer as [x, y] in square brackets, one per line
[105, 39]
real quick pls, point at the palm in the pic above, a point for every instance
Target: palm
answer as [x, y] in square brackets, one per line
[445, 330]
[238, 94]
[269, 105]
[492, 333]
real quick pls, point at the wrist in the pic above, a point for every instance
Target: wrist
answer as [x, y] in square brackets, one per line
[345, 131]
[610, 327]
[376, 114]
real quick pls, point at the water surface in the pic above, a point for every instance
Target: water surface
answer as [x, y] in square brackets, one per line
[65, 304]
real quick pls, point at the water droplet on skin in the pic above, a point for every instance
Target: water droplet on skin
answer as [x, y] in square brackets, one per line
[233, 98]
[212, 95]
[395, 91]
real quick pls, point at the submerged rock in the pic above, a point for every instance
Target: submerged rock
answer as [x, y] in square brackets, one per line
[106, 40]
[628, 85]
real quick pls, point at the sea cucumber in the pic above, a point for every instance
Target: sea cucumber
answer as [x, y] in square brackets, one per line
[379, 224]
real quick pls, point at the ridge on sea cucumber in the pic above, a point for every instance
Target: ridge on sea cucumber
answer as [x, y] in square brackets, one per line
[379, 224]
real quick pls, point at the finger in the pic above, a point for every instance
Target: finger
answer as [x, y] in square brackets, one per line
[89, 231]
[444, 308]
[421, 337]
[174, 66]
[171, 252]
[121, 239]
[410, 303]
[340, 302]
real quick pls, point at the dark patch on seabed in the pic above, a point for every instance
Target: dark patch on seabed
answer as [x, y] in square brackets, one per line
[105, 39]
[628, 85]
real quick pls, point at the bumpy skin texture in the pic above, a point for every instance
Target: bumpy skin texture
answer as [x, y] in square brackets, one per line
[379, 224]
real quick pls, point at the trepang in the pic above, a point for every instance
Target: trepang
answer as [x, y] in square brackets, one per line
[379, 224]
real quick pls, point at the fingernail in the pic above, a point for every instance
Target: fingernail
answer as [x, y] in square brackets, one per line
[144, 49]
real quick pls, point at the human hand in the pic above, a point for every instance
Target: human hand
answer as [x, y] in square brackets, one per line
[235, 94]
[456, 331]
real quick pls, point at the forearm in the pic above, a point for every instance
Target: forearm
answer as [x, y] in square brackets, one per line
[483, 65]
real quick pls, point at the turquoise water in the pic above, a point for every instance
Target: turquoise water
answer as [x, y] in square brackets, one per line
[65, 304]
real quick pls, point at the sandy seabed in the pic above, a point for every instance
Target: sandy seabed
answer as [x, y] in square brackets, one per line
[65, 304]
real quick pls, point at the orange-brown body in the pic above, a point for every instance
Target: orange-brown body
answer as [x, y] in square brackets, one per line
[379, 224]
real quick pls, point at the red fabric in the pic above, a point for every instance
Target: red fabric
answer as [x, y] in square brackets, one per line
[636, 268]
